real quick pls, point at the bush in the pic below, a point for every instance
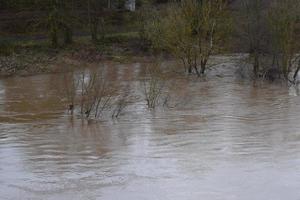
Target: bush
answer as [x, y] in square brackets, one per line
[191, 30]
[283, 18]
[154, 85]
[7, 47]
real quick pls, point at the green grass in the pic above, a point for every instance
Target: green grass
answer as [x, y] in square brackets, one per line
[121, 37]
[6, 47]
[117, 47]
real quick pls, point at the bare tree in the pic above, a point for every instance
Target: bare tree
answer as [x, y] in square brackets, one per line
[122, 101]
[95, 95]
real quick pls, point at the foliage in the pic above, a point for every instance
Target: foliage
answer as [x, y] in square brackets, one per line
[153, 85]
[192, 31]
[283, 18]
[253, 31]
[95, 20]
[270, 32]
[6, 47]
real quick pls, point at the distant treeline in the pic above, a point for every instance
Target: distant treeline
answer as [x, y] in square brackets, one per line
[30, 4]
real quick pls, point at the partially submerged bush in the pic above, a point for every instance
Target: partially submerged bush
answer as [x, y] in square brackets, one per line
[251, 28]
[95, 95]
[121, 102]
[283, 19]
[271, 35]
[154, 86]
[191, 30]
[92, 95]
[70, 90]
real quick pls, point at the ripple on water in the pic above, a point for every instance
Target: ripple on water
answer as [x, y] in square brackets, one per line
[226, 139]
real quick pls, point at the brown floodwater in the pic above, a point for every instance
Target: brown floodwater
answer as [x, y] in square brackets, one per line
[225, 139]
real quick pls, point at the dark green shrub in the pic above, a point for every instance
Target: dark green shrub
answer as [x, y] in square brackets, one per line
[7, 47]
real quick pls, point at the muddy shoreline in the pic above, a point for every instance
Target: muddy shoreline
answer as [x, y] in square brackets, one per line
[27, 62]
[16, 65]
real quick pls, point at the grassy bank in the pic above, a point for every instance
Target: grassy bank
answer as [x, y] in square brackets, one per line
[27, 57]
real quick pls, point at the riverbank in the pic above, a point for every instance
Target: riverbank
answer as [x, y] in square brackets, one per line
[36, 56]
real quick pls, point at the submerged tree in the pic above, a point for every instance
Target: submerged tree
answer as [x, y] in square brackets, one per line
[269, 31]
[253, 30]
[283, 19]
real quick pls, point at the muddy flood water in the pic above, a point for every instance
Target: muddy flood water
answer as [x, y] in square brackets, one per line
[227, 139]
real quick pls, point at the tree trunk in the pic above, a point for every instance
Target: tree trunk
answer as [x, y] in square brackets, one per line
[190, 69]
[296, 72]
[256, 64]
[203, 66]
[68, 34]
[196, 69]
[130, 5]
[108, 4]
[94, 29]
[54, 37]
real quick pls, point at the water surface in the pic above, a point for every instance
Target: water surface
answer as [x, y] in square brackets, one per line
[227, 139]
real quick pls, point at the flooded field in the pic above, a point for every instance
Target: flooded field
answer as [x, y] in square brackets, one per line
[226, 139]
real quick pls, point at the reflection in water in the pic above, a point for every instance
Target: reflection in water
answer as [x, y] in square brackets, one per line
[226, 140]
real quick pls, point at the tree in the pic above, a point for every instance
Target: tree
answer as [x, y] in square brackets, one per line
[60, 19]
[96, 22]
